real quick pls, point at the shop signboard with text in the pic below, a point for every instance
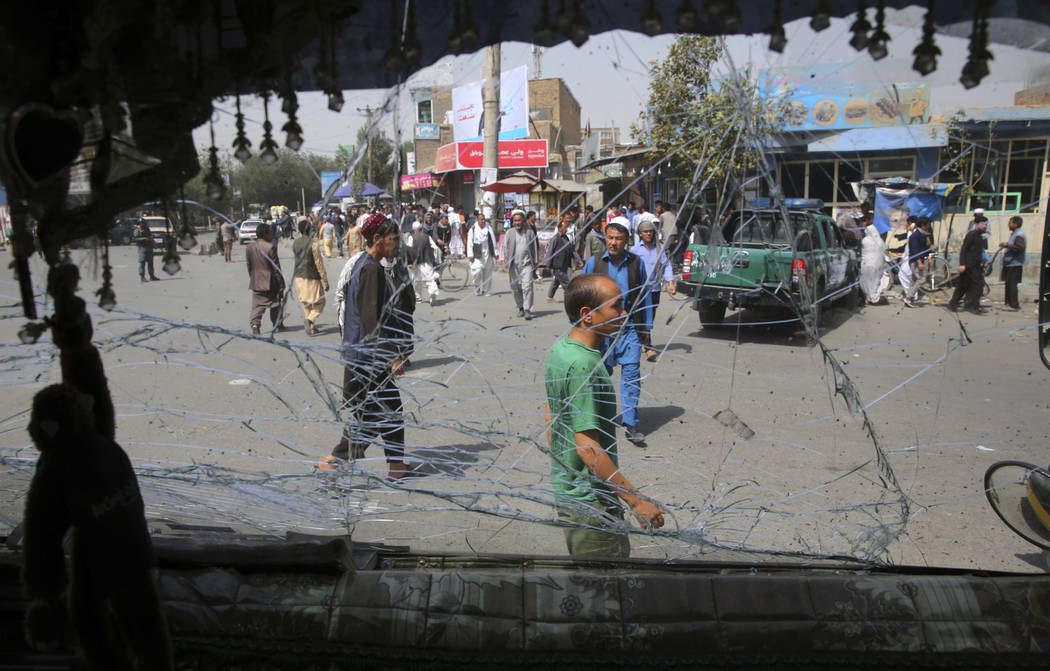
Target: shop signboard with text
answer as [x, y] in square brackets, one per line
[423, 180]
[428, 131]
[512, 154]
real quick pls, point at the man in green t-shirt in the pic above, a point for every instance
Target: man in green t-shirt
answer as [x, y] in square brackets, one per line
[581, 405]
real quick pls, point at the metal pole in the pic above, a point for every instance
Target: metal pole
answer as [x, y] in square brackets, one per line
[490, 159]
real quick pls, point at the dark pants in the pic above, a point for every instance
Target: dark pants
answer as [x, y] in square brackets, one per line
[146, 263]
[561, 278]
[654, 302]
[261, 301]
[377, 411]
[1012, 277]
[969, 284]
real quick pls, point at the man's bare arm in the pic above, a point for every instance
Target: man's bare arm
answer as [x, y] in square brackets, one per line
[598, 462]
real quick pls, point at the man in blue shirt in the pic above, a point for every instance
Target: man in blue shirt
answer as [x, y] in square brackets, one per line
[1013, 261]
[625, 350]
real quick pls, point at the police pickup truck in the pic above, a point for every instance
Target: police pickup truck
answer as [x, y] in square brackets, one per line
[764, 257]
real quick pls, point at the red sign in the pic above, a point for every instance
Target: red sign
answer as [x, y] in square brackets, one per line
[446, 158]
[512, 154]
[423, 180]
[468, 178]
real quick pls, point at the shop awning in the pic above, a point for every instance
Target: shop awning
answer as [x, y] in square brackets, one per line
[561, 185]
[519, 182]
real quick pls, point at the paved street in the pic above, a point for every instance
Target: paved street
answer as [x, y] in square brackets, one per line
[225, 428]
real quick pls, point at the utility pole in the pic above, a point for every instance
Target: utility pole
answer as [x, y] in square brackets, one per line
[490, 159]
[367, 111]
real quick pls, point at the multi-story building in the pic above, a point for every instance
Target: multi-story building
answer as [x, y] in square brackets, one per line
[445, 169]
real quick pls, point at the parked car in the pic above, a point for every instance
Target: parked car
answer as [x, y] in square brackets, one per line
[122, 232]
[158, 230]
[756, 259]
[247, 230]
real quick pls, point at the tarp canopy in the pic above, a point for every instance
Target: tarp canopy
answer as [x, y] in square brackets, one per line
[370, 190]
[898, 198]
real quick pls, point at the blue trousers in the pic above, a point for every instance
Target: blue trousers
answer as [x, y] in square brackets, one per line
[630, 390]
[627, 354]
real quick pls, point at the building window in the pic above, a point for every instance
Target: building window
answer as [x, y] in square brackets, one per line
[1005, 176]
[848, 172]
[425, 112]
[891, 166]
[829, 180]
[822, 180]
[793, 180]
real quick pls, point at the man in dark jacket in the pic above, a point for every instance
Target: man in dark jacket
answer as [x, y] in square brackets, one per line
[561, 256]
[144, 240]
[372, 354]
[971, 268]
[264, 279]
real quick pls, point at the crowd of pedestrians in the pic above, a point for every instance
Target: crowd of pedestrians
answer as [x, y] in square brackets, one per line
[916, 248]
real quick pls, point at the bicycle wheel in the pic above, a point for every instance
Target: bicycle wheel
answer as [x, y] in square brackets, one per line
[454, 274]
[937, 274]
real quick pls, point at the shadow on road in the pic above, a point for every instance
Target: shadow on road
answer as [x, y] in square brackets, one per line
[651, 419]
[435, 361]
[771, 327]
[1040, 560]
[451, 460]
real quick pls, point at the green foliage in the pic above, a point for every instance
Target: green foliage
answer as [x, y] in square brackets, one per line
[715, 124]
[282, 183]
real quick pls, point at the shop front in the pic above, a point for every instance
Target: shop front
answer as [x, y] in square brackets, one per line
[459, 163]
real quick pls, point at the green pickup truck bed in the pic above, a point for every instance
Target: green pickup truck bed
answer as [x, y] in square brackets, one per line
[769, 258]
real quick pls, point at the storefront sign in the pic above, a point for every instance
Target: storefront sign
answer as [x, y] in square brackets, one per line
[512, 154]
[446, 158]
[814, 98]
[428, 131]
[423, 180]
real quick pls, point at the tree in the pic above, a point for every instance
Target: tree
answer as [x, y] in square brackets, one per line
[696, 122]
[282, 183]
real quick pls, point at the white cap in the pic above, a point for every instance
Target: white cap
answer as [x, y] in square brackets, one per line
[979, 210]
[416, 226]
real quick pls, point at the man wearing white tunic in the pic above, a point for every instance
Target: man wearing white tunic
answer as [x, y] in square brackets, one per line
[906, 270]
[481, 253]
[422, 259]
[873, 279]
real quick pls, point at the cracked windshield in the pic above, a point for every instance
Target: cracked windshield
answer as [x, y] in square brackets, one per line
[766, 297]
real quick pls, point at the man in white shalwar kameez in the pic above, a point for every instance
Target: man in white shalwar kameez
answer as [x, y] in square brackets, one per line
[873, 276]
[481, 253]
[422, 254]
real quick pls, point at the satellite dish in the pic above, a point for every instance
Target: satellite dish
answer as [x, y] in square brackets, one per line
[1020, 495]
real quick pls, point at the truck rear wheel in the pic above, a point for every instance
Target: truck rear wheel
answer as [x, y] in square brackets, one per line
[712, 313]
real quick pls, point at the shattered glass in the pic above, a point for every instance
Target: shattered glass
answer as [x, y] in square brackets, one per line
[863, 437]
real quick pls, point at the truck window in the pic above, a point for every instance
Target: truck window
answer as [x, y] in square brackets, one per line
[699, 225]
[756, 228]
[805, 234]
[832, 234]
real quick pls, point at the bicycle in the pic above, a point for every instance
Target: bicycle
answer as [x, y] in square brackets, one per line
[939, 276]
[453, 273]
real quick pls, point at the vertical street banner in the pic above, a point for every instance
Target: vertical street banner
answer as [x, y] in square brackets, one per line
[468, 113]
